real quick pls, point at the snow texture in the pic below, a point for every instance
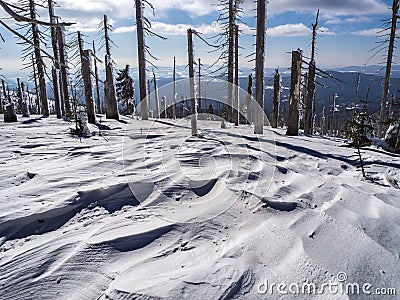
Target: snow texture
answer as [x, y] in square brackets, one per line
[145, 211]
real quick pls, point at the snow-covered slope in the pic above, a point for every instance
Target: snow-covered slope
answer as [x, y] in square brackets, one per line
[145, 211]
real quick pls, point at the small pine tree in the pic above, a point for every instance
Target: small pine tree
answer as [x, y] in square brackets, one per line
[361, 128]
[125, 90]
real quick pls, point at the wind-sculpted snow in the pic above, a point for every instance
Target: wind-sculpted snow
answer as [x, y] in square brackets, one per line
[149, 212]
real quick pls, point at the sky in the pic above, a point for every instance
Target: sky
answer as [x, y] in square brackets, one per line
[347, 33]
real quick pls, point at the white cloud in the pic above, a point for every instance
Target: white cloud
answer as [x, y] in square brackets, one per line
[331, 8]
[357, 19]
[181, 29]
[174, 29]
[289, 30]
[368, 32]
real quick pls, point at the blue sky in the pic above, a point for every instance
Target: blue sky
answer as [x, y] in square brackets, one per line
[348, 30]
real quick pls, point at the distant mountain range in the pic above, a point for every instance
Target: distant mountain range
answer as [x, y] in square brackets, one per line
[344, 87]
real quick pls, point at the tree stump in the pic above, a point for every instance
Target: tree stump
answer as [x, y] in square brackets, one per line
[9, 113]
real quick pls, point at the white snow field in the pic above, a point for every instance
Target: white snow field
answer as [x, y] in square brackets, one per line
[158, 214]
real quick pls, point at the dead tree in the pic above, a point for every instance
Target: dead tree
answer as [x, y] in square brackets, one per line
[3, 101]
[39, 60]
[63, 70]
[193, 106]
[333, 127]
[36, 86]
[395, 17]
[356, 96]
[23, 105]
[55, 70]
[276, 100]
[199, 86]
[86, 72]
[142, 59]
[323, 122]
[308, 128]
[260, 56]
[96, 78]
[57, 105]
[236, 86]
[156, 96]
[295, 81]
[110, 99]
[174, 91]
[86, 77]
[248, 98]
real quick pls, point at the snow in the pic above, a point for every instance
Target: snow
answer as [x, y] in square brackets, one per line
[142, 210]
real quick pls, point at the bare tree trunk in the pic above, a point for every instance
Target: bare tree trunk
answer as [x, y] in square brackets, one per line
[174, 90]
[36, 86]
[39, 60]
[356, 97]
[391, 107]
[9, 113]
[277, 94]
[54, 72]
[308, 125]
[5, 99]
[293, 122]
[64, 72]
[142, 59]
[156, 96]
[193, 105]
[199, 87]
[86, 71]
[56, 95]
[260, 56]
[110, 98]
[19, 94]
[96, 74]
[236, 96]
[382, 115]
[24, 103]
[231, 40]
[248, 98]
[333, 129]
[323, 122]
[148, 98]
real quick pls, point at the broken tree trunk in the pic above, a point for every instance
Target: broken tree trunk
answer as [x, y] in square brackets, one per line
[142, 59]
[382, 115]
[87, 82]
[276, 100]
[193, 106]
[24, 103]
[39, 61]
[260, 55]
[9, 113]
[293, 122]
